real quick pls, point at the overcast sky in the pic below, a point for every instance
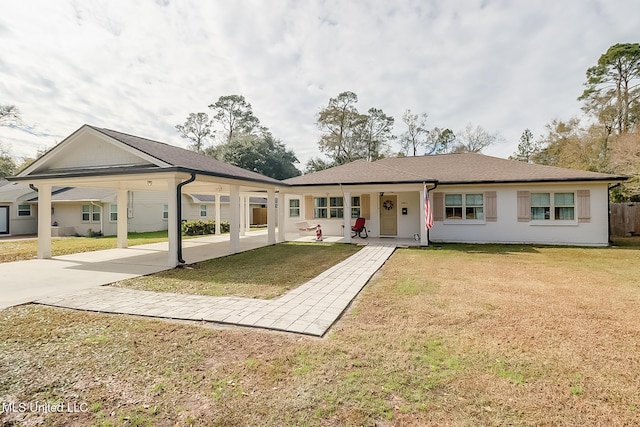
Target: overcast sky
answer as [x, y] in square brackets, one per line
[142, 66]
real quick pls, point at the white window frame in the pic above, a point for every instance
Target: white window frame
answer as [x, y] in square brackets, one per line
[552, 206]
[113, 213]
[22, 212]
[92, 212]
[464, 207]
[355, 207]
[203, 211]
[336, 207]
[320, 211]
[294, 208]
[165, 212]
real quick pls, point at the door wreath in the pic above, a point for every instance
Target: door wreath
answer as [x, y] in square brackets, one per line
[387, 205]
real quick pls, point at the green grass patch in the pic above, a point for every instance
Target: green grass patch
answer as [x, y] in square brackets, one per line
[265, 272]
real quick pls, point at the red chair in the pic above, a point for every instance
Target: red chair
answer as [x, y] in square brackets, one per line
[359, 229]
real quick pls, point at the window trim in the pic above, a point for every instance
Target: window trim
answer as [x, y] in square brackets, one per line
[203, 209]
[293, 208]
[463, 206]
[165, 212]
[19, 210]
[113, 214]
[552, 209]
[91, 212]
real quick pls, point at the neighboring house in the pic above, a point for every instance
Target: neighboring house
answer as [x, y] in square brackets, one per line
[17, 215]
[79, 210]
[473, 198]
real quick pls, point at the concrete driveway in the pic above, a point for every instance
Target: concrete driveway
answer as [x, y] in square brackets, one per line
[26, 281]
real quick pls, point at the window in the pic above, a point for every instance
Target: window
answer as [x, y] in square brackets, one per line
[355, 207]
[165, 211]
[464, 206]
[294, 207]
[91, 213]
[203, 210]
[561, 204]
[113, 213]
[320, 207]
[24, 210]
[336, 207]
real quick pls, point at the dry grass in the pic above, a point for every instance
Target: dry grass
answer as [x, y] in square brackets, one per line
[265, 272]
[458, 336]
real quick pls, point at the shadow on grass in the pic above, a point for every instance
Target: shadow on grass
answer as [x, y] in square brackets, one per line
[488, 248]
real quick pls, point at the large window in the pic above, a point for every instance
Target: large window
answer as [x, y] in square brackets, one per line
[464, 206]
[336, 205]
[320, 207]
[553, 206]
[24, 210]
[294, 207]
[355, 207]
[91, 213]
[333, 207]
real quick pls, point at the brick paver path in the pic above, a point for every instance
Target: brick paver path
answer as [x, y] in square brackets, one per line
[308, 309]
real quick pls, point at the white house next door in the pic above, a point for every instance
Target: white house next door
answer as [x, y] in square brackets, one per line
[388, 215]
[4, 219]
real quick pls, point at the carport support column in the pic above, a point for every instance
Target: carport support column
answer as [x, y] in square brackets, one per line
[217, 213]
[282, 200]
[172, 221]
[44, 221]
[271, 216]
[234, 221]
[122, 198]
[243, 215]
[347, 217]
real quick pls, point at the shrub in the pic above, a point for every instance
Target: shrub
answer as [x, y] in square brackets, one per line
[199, 227]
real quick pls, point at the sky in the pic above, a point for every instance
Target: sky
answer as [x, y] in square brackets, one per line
[141, 67]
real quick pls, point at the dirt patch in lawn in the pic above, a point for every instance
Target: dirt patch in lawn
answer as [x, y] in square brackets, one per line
[459, 336]
[265, 272]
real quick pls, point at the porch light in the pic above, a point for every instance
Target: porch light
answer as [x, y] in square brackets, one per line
[149, 183]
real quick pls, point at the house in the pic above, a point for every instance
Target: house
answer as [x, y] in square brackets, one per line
[98, 158]
[473, 198]
[17, 215]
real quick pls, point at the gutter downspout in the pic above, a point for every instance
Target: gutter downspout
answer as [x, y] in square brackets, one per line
[609, 211]
[179, 213]
[33, 187]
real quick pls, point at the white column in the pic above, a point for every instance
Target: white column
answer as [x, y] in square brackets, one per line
[121, 200]
[234, 221]
[243, 216]
[44, 221]
[217, 214]
[247, 213]
[282, 201]
[172, 223]
[424, 240]
[271, 216]
[347, 217]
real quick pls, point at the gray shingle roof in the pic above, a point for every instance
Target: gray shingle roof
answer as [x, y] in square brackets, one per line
[447, 169]
[182, 158]
[73, 194]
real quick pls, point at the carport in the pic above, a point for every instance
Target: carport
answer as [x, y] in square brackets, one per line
[94, 157]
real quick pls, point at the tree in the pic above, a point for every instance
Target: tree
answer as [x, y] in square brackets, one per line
[339, 121]
[624, 158]
[7, 165]
[439, 141]
[259, 153]
[317, 164]
[374, 134]
[197, 128]
[416, 134]
[235, 115]
[527, 148]
[474, 140]
[612, 89]
[9, 114]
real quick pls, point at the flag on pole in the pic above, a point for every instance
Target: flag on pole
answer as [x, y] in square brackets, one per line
[428, 213]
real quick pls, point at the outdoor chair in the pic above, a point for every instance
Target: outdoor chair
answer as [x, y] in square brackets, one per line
[304, 229]
[359, 229]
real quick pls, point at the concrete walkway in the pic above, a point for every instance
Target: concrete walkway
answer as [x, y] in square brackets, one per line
[308, 309]
[22, 282]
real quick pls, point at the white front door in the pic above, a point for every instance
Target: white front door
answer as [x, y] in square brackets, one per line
[4, 219]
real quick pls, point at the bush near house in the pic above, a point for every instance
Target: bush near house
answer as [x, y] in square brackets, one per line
[199, 227]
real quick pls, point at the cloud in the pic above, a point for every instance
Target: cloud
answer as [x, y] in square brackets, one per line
[142, 67]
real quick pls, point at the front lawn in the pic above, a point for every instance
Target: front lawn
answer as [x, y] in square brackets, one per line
[265, 272]
[455, 335]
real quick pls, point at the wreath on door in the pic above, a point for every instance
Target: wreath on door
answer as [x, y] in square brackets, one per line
[387, 205]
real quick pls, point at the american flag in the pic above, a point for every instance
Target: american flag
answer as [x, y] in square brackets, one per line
[428, 213]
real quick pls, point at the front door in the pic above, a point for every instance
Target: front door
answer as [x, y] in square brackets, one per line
[4, 219]
[388, 215]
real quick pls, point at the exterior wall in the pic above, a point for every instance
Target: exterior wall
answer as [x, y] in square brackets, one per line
[22, 224]
[507, 228]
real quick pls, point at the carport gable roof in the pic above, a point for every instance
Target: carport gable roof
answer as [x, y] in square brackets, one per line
[156, 157]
